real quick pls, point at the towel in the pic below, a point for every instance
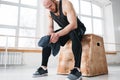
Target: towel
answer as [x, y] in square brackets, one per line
[45, 41]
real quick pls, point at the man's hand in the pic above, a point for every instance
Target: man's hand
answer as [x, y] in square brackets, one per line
[54, 37]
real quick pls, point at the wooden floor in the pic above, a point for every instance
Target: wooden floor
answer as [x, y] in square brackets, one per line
[25, 73]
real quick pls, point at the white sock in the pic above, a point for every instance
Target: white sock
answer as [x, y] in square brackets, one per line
[45, 68]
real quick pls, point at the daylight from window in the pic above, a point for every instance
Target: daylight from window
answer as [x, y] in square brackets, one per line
[19, 20]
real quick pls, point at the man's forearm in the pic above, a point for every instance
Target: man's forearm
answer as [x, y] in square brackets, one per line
[50, 30]
[66, 30]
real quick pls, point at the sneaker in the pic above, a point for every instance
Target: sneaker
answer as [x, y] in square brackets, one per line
[74, 75]
[40, 72]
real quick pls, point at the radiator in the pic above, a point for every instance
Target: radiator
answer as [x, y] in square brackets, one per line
[11, 58]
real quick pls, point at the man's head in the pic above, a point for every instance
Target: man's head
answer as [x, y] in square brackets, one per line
[51, 5]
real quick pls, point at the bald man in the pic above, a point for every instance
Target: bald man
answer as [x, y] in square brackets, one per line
[63, 13]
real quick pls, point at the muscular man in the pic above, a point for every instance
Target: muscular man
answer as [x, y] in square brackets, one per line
[63, 13]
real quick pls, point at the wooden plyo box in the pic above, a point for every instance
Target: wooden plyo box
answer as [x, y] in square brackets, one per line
[93, 57]
[66, 59]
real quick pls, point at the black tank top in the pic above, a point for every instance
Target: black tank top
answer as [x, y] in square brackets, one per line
[62, 20]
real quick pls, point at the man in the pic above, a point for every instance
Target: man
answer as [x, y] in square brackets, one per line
[63, 13]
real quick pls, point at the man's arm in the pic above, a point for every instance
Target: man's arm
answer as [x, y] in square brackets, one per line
[69, 11]
[71, 16]
[50, 24]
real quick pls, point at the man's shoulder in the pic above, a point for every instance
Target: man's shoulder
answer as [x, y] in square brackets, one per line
[66, 2]
[67, 5]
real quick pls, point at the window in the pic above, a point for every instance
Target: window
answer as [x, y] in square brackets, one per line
[27, 32]
[26, 42]
[85, 8]
[97, 11]
[4, 39]
[7, 31]
[88, 23]
[15, 1]
[75, 5]
[29, 2]
[18, 23]
[97, 26]
[8, 15]
[27, 17]
[90, 14]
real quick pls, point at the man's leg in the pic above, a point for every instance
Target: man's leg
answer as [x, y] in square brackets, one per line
[42, 70]
[77, 52]
[46, 52]
[76, 48]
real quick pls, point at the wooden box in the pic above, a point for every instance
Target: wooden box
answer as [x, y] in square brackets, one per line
[93, 57]
[66, 59]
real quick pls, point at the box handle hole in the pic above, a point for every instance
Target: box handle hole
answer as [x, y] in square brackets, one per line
[98, 44]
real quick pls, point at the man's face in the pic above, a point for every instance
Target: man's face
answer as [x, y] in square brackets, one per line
[50, 5]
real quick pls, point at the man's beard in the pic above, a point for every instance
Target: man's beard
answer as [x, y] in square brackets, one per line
[56, 9]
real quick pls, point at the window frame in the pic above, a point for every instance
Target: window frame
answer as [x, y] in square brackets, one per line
[93, 17]
[18, 27]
